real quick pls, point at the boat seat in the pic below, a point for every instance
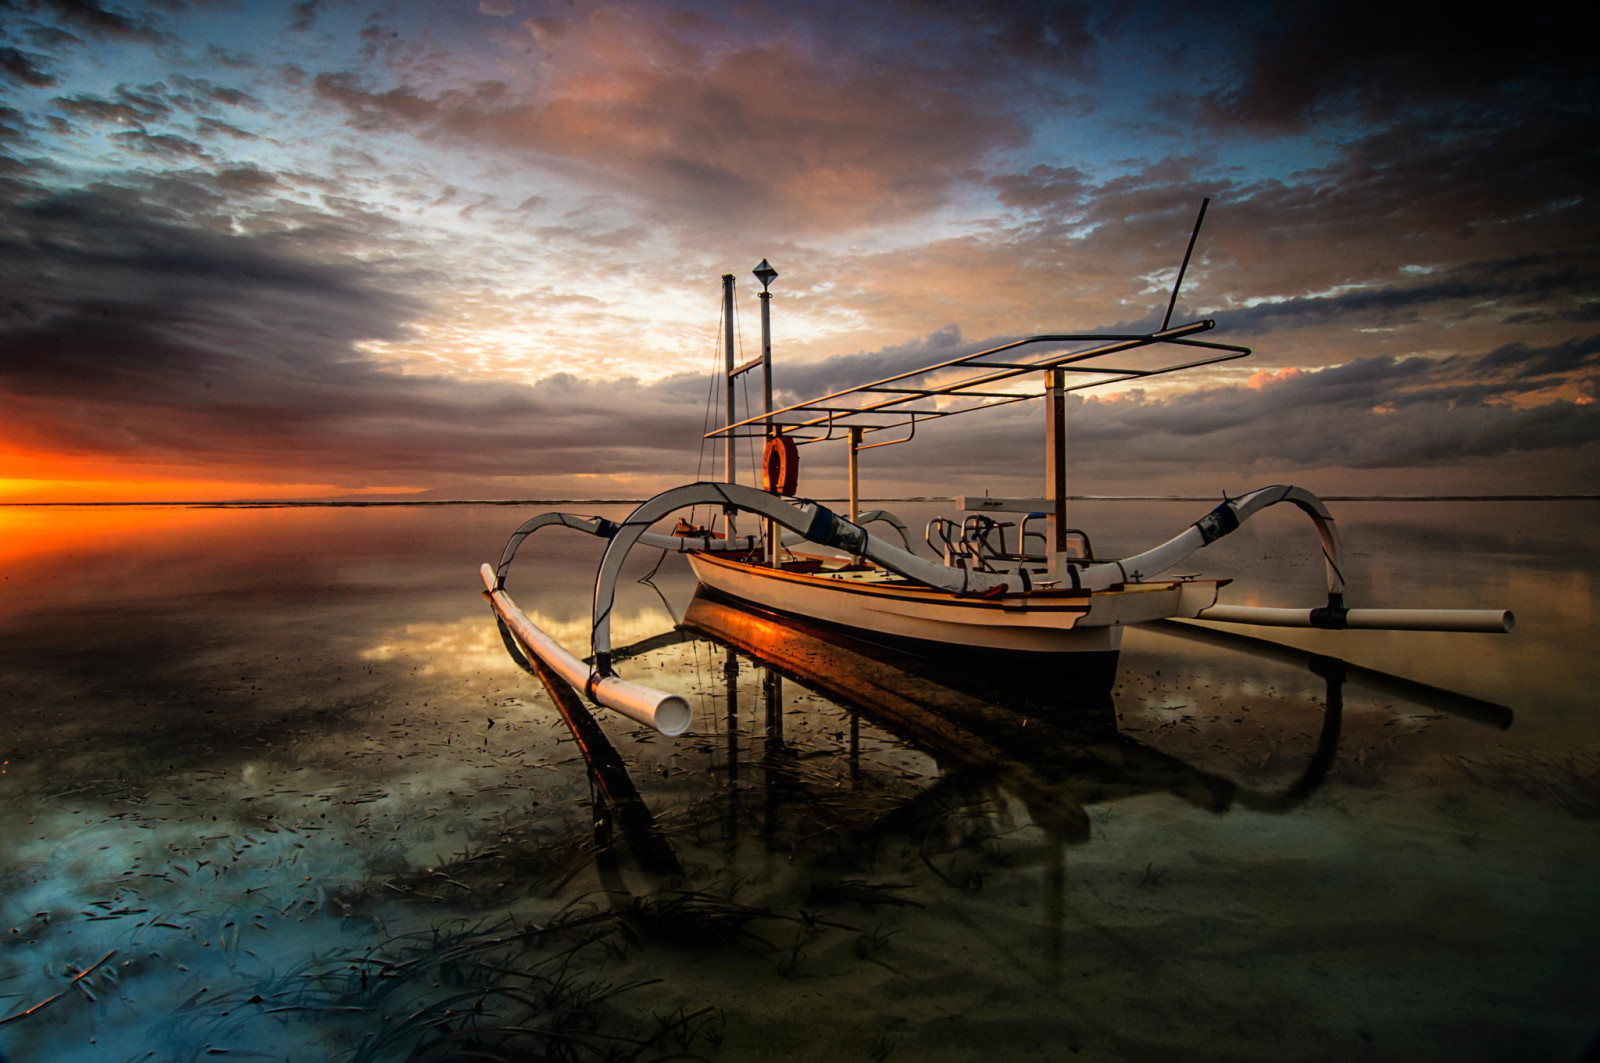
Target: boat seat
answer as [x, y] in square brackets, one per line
[979, 542]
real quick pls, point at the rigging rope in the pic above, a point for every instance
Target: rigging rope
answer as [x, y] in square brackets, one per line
[711, 405]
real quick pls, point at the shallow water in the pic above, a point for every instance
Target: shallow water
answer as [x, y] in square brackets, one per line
[274, 772]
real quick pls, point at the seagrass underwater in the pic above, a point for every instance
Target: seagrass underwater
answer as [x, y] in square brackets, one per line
[271, 785]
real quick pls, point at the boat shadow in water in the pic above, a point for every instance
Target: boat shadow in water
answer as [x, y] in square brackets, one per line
[1045, 733]
[1046, 736]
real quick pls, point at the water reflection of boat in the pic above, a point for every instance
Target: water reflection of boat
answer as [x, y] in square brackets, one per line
[1050, 741]
[1030, 584]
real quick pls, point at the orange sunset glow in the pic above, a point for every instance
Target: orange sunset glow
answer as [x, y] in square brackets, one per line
[44, 478]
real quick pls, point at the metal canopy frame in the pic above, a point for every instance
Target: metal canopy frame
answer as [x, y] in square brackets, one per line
[885, 404]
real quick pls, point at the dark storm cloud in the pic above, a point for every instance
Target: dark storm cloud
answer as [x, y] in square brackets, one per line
[75, 260]
[1377, 58]
[1422, 223]
[51, 37]
[13, 126]
[303, 15]
[94, 19]
[123, 111]
[1373, 413]
[201, 95]
[1378, 412]
[154, 103]
[1044, 188]
[162, 145]
[128, 331]
[1576, 357]
[1057, 32]
[212, 126]
[249, 180]
[26, 67]
[1527, 279]
[812, 139]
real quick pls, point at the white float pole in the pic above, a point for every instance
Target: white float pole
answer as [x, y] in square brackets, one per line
[668, 713]
[1493, 621]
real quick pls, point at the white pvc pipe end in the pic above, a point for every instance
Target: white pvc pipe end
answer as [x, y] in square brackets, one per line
[668, 713]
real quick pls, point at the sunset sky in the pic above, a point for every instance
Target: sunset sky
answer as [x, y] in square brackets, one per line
[471, 248]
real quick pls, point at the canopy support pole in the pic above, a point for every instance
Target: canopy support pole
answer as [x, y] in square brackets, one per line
[855, 472]
[769, 527]
[1055, 472]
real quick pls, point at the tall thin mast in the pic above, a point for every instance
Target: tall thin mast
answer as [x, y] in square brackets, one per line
[728, 375]
[766, 275]
[732, 414]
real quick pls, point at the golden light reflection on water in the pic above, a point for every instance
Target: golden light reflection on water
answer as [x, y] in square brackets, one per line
[461, 647]
[470, 645]
[40, 534]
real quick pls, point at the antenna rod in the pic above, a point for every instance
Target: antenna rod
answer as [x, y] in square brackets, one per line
[1181, 269]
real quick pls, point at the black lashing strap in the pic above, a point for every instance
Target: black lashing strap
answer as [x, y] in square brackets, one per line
[1217, 523]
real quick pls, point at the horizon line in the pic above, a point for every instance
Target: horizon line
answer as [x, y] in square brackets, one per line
[269, 503]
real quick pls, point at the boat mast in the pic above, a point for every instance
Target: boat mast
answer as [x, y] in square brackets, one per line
[732, 416]
[766, 275]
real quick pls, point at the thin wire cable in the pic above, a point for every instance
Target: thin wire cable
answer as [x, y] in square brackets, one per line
[706, 421]
[711, 399]
[749, 439]
[744, 380]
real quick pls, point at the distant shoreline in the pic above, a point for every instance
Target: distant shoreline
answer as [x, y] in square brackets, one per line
[347, 503]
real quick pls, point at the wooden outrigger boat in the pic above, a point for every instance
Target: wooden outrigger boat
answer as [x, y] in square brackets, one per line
[1042, 591]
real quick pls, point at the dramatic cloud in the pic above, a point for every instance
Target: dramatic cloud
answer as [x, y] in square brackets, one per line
[758, 135]
[94, 19]
[369, 243]
[1381, 58]
[24, 67]
[181, 345]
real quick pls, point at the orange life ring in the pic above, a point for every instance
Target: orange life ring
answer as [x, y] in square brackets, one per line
[780, 466]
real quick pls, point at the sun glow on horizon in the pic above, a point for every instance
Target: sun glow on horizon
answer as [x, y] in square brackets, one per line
[68, 492]
[35, 477]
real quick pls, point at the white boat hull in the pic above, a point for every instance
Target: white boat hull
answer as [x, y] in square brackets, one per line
[1044, 621]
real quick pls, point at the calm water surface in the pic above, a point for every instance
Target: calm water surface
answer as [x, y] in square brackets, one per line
[272, 786]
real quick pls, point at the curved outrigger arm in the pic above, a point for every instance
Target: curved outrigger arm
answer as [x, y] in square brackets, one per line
[815, 523]
[1333, 616]
[1213, 526]
[818, 524]
[605, 529]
